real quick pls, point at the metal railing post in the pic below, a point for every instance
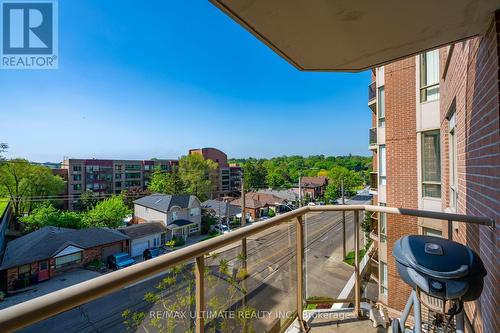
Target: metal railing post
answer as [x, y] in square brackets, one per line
[357, 284]
[244, 266]
[200, 294]
[450, 229]
[299, 232]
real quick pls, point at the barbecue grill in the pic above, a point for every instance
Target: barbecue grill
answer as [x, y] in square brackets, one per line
[443, 275]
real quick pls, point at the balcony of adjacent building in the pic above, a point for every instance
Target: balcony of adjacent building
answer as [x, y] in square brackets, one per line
[372, 138]
[285, 274]
[372, 96]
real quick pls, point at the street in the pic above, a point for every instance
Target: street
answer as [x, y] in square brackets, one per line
[270, 286]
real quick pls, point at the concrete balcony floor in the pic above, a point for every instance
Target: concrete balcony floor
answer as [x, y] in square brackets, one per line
[319, 325]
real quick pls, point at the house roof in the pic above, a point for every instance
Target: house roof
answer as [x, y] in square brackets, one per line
[249, 203]
[143, 229]
[220, 207]
[265, 198]
[178, 223]
[288, 195]
[164, 202]
[314, 181]
[48, 241]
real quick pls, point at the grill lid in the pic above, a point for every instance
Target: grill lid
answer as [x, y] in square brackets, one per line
[434, 256]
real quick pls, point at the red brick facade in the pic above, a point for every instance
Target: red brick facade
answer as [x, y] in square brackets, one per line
[470, 85]
[401, 165]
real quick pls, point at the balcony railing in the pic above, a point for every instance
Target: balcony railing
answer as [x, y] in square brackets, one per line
[373, 137]
[372, 92]
[35, 310]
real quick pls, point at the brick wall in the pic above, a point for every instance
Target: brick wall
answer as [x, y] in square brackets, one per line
[471, 83]
[401, 165]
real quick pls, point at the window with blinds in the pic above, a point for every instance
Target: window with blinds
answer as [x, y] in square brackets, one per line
[431, 164]
[429, 76]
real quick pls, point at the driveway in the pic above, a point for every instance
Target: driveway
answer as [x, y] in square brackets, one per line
[59, 282]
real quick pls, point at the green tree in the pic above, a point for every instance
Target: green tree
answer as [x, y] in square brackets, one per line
[351, 178]
[196, 175]
[23, 181]
[86, 201]
[107, 213]
[47, 215]
[165, 182]
[254, 174]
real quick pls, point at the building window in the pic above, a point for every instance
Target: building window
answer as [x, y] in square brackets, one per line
[429, 76]
[381, 167]
[452, 144]
[194, 212]
[77, 168]
[381, 107]
[133, 167]
[431, 164]
[118, 175]
[77, 187]
[383, 224]
[68, 259]
[77, 178]
[383, 278]
[193, 228]
[174, 216]
[432, 232]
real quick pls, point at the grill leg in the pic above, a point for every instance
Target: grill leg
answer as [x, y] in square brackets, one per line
[460, 321]
[406, 311]
[416, 313]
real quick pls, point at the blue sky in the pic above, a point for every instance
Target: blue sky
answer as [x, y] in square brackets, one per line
[155, 78]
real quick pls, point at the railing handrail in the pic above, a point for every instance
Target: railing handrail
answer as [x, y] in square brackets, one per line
[43, 307]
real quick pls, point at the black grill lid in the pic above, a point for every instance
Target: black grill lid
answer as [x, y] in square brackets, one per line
[434, 256]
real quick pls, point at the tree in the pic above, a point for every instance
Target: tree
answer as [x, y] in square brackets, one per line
[254, 174]
[107, 213]
[47, 215]
[336, 175]
[26, 183]
[133, 193]
[87, 201]
[3, 148]
[168, 183]
[196, 175]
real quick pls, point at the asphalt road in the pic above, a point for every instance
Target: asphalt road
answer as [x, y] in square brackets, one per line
[270, 282]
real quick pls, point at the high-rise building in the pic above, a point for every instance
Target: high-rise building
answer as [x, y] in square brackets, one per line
[436, 146]
[106, 177]
[226, 178]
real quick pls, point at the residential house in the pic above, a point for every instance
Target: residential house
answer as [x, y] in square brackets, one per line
[179, 213]
[143, 236]
[289, 195]
[258, 204]
[44, 253]
[312, 187]
[221, 209]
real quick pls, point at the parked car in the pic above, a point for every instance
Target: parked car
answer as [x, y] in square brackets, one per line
[222, 228]
[153, 252]
[120, 260]
[311, 204]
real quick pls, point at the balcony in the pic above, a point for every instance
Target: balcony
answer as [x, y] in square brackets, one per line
[372, 141]
[278, 266]
[373, 182]
[372, 96]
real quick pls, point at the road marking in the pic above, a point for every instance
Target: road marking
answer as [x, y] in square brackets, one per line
[324, 239]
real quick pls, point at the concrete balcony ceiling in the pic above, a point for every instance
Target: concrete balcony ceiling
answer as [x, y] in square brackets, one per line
[347, 35]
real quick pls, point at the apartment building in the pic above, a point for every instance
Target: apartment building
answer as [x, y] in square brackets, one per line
[436, 146]
[226, 178]
[105, 177]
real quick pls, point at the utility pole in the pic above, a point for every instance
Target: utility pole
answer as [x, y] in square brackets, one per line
[300, 192]
[343, 219]
[243, 213]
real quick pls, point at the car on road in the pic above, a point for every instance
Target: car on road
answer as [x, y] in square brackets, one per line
[120, 260]
[311, 204]
[153, 252]
[222, 228]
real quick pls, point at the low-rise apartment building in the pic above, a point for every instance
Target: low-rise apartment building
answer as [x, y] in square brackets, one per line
[106, 177]
[436, 146]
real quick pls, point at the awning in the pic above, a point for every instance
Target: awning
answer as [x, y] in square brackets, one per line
[179, 224]
[346, 35]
